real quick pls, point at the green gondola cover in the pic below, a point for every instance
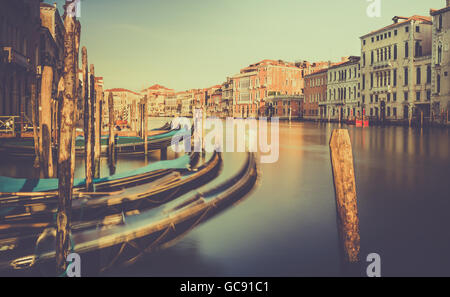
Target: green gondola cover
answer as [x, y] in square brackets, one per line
[13, 185]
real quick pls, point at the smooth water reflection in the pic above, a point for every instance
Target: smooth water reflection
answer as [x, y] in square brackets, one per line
[287, 225]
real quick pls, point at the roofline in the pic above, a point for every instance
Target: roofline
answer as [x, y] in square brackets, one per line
[434, 12]
[394, 25]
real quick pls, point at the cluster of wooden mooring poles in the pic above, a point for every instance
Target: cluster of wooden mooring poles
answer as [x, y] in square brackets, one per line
[65, 135]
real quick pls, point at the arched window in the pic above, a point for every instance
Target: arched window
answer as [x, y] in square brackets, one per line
[438, 84]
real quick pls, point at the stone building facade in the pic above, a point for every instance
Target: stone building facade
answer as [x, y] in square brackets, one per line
[440, 96]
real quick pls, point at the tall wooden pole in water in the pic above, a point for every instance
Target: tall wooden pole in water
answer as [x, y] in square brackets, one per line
[145, 115]
[67, 118]
[345, 191]
[87, 122]
[92, 114]
[45, 122]
[35, 123]
[77, 92]
[96, 123]
[111, 148]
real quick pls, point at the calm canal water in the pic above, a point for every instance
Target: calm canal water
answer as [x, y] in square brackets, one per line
[287, 225]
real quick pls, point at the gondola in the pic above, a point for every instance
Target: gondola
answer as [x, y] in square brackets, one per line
[18, 189]
[126, 240]
[125, 145]
[31, 215]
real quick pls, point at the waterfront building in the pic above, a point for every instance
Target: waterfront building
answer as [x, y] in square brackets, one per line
[213, 100]
[343, 90]
[263, 79]
[284, 106]
[123, 101]
[186, 99]
[20, 26]
[157, 95]
[396, 70]
[171, 105]
[314, 105]
[227, 98]
[440, 96]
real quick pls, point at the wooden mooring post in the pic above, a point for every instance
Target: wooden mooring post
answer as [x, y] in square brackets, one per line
[97, 125]
[87, 122]
[67, 120]
[92, 119]
[346, 200]
[145, 121]
[111, 139]
[34, 119]
[45, 122]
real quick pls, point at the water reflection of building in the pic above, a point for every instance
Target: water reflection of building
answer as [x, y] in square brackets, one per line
[20, 26]
[396, 69]
[441, 63]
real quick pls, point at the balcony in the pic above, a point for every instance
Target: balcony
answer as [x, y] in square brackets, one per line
[14, 57]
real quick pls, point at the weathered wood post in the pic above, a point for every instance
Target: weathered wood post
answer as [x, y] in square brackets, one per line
[111, 148]
[87, 123]
[97, 126]
[45, 122]
[77, 92]
[67, 118]
[345, 192]
[34, 119]
[145, 121]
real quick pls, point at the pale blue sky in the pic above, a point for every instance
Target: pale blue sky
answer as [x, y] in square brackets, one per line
[184, 44]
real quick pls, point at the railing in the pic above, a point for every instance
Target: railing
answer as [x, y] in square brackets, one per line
[8, 124]
[14, 124]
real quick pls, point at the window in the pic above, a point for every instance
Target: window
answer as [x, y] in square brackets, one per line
[439, 55]
[394, 97]
[428, 95]
[417, 29]
[395, 78]
[364, 42]
[376, 98]
[372, 39]
[371, 80]
[406, 76]
[388, 97]
[388, 111]
[364, 59]
[394, 111]
[363, 98]
[418, 76]
[395, 32]
[440, 22]
[417, 96]
[363, 81]
[428, 74]
[371, 58]
[405, 94]
[371, 98]
[406, 29]
[395, 52]
[389, 34]
[406, 49]
[418, 49]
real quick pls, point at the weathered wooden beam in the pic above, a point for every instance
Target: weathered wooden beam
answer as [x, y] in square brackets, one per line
[98, 132]
[345, 192]
[67, 119]
[145, 115]
[87, 122]
[111, 146]
[92, 117]
[45, 122]
[34, 119]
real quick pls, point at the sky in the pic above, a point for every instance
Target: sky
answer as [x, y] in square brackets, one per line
[186, 44]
